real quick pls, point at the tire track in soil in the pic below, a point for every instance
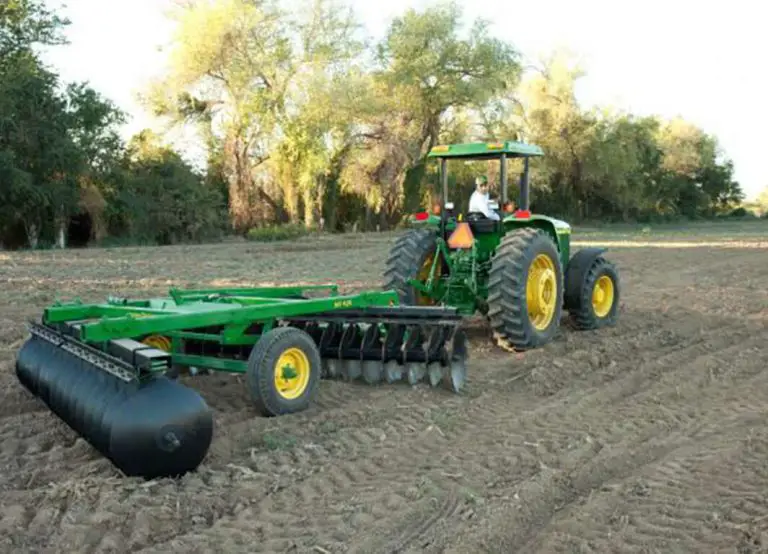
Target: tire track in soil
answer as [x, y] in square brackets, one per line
[578, 355]
[563, 487]
[413, 454]
[650, 432]
[665, 507]
[415, 528]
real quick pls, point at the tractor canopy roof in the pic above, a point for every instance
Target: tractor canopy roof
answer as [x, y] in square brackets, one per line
[484, 150]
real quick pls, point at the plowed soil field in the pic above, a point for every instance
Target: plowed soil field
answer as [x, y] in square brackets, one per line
[647, 437]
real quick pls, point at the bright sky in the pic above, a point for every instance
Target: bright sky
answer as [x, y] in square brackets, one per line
[703, 61]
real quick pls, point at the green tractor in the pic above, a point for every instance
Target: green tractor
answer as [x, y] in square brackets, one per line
[517, 270]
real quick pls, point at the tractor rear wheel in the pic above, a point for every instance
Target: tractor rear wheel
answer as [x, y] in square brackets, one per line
[525, 289]
[411, 258]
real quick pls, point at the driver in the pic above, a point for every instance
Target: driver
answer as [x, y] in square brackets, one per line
[478, 202]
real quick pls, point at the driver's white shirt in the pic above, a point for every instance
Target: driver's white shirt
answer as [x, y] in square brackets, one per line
[478, 202]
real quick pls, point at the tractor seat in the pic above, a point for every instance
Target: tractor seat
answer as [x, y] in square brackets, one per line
[481, 224]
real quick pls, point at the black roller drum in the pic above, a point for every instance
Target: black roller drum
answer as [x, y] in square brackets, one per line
[159, 428]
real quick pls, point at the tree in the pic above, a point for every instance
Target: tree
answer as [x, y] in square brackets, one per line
[553, 119]
[28, 23]
[248, 64]
[39, 155]
[157, 198]
[426, 69]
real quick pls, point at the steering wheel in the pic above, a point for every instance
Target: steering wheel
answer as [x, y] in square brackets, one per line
[475, 216]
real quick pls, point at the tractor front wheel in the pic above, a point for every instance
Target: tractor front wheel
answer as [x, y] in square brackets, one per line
[284, 371]
[525, 289]
[592, 292]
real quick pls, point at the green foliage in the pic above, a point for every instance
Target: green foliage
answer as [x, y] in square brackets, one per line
[159, 199]
[307, 125]
[427, 69]
[273, 233]
[27, 23]
[266, 72]
[616, 166]
[38, 158]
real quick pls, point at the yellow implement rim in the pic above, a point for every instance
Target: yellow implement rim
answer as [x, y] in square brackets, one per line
[602, 296]
[159, 342]
[541, 291]
[292, 373]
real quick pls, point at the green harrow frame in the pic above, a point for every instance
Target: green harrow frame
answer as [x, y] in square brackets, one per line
[108, 369]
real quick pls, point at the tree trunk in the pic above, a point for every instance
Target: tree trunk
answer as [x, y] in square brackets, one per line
[330, 196]
[291, 201]
[33, 233]
[310, 220]
[61, 228]
[368, 217]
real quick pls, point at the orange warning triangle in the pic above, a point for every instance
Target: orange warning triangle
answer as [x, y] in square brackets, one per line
[461, 237]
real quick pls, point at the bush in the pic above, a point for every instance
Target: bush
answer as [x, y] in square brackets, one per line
[278, 232]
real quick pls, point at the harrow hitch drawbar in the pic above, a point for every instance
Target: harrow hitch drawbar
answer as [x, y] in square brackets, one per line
[109, 370]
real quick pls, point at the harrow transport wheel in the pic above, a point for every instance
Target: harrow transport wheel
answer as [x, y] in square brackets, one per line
[411, 258]
[592, 293]
[284, 371]
[525, 289]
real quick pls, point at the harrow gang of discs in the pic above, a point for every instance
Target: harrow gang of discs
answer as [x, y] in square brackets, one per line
[108, 370]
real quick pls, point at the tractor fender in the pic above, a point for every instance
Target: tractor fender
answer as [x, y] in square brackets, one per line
[577, 267]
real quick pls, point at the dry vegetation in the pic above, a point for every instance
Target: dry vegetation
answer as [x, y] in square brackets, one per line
[648, 437]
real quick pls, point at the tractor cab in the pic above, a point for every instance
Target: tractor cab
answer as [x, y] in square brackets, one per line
[448, 215]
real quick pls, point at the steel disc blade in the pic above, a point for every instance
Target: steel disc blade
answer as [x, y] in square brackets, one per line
[416, 372]
[373, 372]
[435, 373]
[393, 372]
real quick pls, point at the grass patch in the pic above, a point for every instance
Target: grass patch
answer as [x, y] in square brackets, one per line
[727, 229]
[278, 232]
[278, 440]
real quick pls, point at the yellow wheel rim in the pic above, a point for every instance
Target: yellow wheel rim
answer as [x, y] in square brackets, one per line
[541, 291]
[602, 296]
[423, 275]
[159, 342]
[292, 373]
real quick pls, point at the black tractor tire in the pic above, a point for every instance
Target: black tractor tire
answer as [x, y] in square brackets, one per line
[507, 296]
[580, 287]
[262, 366]
[405, 260]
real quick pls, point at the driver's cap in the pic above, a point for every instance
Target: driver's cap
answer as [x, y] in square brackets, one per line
[481, 180]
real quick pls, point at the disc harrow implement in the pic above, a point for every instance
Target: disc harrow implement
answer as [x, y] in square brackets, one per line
[109, 369]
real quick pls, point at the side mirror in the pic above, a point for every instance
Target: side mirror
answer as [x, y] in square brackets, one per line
[449, 205]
